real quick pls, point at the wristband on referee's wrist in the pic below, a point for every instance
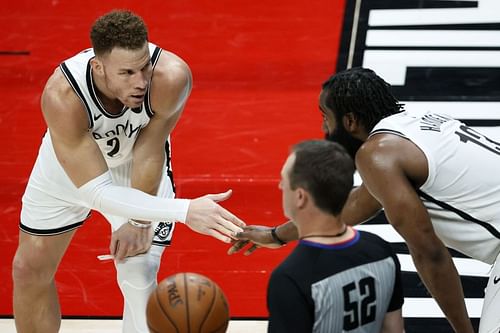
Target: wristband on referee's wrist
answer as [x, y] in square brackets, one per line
[139, 225]
[275, 237]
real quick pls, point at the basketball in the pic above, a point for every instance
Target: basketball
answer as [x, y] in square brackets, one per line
[187, 303]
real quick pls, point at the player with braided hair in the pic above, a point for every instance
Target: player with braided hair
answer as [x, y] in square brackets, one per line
[435, 178]
[361, 92]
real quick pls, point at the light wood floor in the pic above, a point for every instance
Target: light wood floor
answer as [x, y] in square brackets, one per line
[113, 326]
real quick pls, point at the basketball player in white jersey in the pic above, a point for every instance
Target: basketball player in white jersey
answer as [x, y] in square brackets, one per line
[109, 111]
[436, 179]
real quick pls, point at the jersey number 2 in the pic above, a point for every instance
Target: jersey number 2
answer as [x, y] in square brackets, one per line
[115, 144]
[359, 303]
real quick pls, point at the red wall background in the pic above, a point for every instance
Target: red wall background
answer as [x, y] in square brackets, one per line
[257, 68]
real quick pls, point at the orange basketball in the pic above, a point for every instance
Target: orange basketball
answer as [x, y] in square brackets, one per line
[187, 303]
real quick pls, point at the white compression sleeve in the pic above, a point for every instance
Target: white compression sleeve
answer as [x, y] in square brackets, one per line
[100, 194]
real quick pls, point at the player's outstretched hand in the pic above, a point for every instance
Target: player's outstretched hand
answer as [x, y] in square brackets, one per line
[129, 241]
[209, 218]
[257, 236]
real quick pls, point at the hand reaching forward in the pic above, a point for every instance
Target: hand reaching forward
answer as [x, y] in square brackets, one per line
[128, 241]
[206, 217]
[257, 236]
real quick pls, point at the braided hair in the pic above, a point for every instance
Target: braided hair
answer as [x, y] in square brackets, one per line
[362, 92]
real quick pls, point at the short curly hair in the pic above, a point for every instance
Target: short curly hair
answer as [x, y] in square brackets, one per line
[325, 170]
[118, 28]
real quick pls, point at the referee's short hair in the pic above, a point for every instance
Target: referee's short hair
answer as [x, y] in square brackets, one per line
[325, 170]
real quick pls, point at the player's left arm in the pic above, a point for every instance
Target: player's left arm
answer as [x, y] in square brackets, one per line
[391, 168]
[170, 89]
[359, 207]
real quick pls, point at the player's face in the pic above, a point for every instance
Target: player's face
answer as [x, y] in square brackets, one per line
[329, 122]
[287, 194]
[335, 131]
[127, 74]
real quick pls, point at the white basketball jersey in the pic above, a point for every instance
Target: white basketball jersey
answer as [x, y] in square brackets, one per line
[114, 133]
[462, 191]
[51, 202]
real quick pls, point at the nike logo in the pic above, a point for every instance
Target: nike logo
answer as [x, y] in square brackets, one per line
[97, 116]
[496, 279]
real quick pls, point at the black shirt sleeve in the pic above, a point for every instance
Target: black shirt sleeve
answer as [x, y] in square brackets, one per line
[397, 293]
[289, 309]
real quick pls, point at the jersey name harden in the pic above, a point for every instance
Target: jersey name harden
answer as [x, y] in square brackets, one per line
[433, 122]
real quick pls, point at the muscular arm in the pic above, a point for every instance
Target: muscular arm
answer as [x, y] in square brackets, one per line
[390, 168]
[67, 121]
[83, 162]
[170, 89]
[359, 207]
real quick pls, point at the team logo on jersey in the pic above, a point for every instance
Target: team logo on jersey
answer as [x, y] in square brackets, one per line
[128, 129]
[163, 233]
[429, 50]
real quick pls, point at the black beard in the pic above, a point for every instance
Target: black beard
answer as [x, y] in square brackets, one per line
[343, 138]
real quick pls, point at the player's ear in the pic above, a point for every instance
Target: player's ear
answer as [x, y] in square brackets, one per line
[97, 66]
[350, 122]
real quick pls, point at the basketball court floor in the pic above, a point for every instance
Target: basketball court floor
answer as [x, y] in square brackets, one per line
[113, 326]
